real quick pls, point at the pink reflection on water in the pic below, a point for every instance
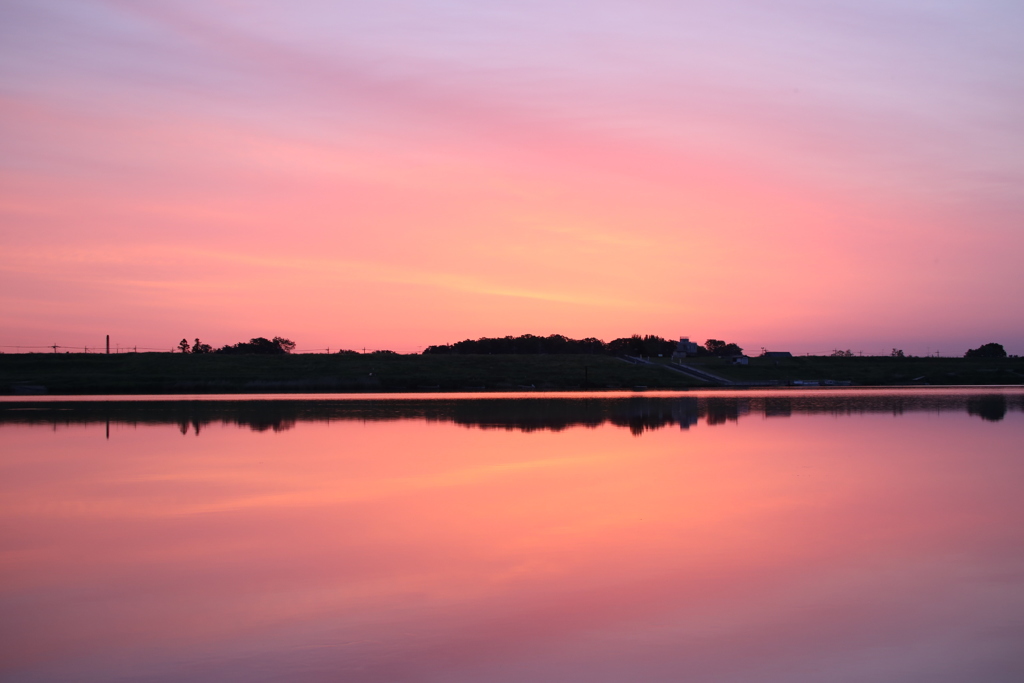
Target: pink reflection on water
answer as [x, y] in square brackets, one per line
[803, 549]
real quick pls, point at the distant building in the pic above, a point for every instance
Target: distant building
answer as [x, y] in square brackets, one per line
[776, 354]
[741, 360]
[685, 348]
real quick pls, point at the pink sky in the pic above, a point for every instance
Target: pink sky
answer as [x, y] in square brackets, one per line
[397, 174]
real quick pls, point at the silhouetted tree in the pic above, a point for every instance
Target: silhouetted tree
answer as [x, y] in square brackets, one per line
[897, 353]
[991, 350]
[183, 345]
[636, 345]
[200, 347]
[717, 347]
[286, 345]
[713, 345]
[648, 345]
[260, 345]
[524, 344]
[627, 346]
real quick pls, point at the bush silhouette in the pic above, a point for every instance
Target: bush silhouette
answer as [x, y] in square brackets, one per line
[260, 345]
[991, 350]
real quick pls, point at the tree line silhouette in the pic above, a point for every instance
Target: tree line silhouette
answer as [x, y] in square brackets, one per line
[991, 350]
[638, 413]
[256, 345]
[636, 345]
[526, 344]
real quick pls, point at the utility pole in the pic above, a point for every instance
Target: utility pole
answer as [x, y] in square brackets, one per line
[108, 344]
[55, 348]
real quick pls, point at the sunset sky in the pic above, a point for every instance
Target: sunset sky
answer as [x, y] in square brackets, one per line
[798, 175]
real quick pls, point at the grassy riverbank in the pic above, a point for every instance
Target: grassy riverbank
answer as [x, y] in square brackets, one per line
[164, 373]
[871, 371]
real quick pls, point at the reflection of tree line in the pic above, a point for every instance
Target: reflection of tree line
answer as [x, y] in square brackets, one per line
[638, 413]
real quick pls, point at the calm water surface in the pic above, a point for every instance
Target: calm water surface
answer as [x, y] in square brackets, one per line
[769, 536]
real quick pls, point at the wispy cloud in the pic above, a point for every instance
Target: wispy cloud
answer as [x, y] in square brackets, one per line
[607, 164]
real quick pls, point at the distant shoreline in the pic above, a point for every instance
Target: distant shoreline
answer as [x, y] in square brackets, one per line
[40, 374]
[44, 399]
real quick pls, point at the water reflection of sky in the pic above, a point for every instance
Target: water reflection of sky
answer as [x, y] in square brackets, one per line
[839, 545]
[638, 412]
